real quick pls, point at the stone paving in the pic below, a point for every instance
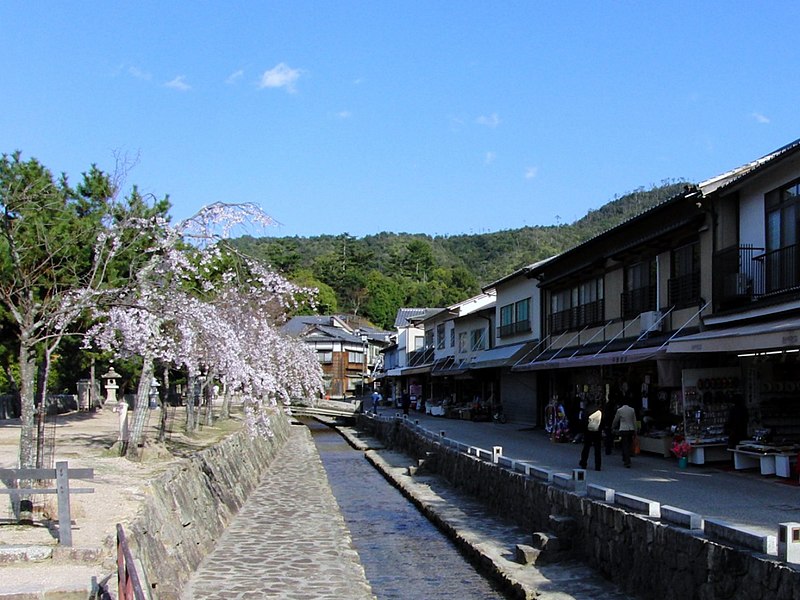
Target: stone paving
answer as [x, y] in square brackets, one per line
[289, 541]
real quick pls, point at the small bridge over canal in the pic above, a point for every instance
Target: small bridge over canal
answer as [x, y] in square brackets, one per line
[327, 408]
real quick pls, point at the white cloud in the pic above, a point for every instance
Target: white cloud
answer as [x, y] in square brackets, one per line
[280, 76]
[235, 76]
[344, 114]
[179, 83]
[492, 120]
[489, 158]
[137, 73]
[760, 118]
[531, 172]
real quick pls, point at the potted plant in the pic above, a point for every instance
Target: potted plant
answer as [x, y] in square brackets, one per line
[681, 448]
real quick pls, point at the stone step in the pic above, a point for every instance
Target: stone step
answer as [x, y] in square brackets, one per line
[41, 553]
[21, 581]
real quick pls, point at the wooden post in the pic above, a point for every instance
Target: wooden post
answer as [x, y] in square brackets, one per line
[64, 518]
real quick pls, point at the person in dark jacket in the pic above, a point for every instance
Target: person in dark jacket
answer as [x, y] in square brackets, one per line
[406, 402]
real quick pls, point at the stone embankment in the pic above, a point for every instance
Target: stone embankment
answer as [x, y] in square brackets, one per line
[190, 505]
[643, 554]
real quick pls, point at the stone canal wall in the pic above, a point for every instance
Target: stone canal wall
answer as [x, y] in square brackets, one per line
[190, 505]
[647, 557]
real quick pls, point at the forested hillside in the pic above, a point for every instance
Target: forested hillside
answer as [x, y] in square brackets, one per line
[375, 275]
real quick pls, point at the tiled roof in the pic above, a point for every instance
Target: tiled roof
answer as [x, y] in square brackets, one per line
[404, 314]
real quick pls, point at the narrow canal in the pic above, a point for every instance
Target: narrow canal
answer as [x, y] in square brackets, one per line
[404, 555]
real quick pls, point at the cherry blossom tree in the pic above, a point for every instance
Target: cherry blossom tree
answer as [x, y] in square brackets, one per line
[199, 305]
[59, 246]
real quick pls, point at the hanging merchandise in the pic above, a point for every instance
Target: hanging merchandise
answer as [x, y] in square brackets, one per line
[556, 423]
[708, 397]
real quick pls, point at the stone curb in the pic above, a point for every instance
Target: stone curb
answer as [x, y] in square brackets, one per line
[485, 562]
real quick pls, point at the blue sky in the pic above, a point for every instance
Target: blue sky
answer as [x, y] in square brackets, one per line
[419, 117]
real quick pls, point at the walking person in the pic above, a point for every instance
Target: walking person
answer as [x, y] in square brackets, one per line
[592, 437]
[609, 410]
[406, 402]
[625, 423]
[376, 399]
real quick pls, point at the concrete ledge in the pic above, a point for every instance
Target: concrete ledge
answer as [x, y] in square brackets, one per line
[504, 461]
[722, 531]
[522, 467]
[598, 492]
[641, 505]
[564, 481]
[680, 517]
[540, 473]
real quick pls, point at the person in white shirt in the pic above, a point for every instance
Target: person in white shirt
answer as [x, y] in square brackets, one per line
[592, 437]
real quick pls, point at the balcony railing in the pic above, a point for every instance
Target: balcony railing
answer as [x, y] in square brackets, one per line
[780, 270]
[638, 301]
[591, 313]
[510, 329]
[684, 290]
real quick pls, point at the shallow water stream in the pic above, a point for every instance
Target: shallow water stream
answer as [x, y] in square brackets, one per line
[404, 555]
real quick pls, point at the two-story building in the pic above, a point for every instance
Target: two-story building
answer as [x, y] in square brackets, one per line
[348, 354]
[753, 321]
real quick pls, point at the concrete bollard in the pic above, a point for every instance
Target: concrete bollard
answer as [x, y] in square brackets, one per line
[579, 480]
[497, 452]
[789, 542]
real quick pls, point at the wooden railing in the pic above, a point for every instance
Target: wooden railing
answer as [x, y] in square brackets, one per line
[61, 474]
[129, 585]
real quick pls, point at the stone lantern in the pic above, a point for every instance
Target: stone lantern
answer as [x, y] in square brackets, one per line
[111, 385]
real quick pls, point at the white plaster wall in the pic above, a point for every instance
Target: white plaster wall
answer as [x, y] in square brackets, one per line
[517, 289]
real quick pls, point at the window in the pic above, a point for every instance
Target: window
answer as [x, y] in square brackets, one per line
[355, 357]
[453, 338]
[463, 346]
[325, 357]
[781, 261]
[477, 339]
[440, 336]
[578, 306]
[684, 282]
[514, 318]
[640, 290]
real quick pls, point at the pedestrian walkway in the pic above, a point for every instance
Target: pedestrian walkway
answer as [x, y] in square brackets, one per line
[742, 498]
[288, 541]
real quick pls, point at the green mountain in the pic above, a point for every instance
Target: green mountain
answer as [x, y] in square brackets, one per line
[375, 275]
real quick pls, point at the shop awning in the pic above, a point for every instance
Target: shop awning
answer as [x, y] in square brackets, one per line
[449, 367]
[755, 337]
[620, 357]
[417, 370]
[497, 357]
[396, 372]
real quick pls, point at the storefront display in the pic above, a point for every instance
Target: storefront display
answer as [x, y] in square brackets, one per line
[708, 397]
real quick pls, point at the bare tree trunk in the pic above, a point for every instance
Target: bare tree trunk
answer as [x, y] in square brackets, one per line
[93, 399]
[41, 401]
[27, 440]
[225, 411]
[162, 427]
[141, 407]
[191, 383]
[208, 397]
